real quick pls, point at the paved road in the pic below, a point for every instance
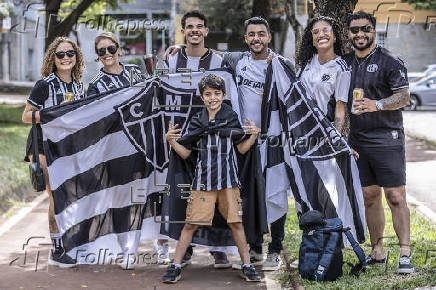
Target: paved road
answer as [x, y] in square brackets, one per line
[198, 276]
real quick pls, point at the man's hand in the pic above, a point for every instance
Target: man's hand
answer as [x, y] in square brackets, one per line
[251, 129]
[173, 49]
[365, 105]
[173, 133]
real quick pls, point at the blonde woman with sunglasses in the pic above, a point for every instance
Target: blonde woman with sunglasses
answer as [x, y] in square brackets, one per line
[62, 71]
[113, 74]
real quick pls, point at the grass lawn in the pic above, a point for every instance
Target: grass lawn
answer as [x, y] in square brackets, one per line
[423, 244]
[14, 177]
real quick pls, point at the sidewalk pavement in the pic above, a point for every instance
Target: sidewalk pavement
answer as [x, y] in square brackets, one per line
[420, 124]
[21, 274]
[12, 99]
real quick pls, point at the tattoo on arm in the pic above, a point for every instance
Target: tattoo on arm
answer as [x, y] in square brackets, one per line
[339, 124]
[399, 99]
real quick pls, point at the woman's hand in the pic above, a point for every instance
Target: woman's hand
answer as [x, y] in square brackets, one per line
[173, 49]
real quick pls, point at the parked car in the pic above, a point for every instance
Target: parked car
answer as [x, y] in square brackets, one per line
[413, 76]
[422, 92]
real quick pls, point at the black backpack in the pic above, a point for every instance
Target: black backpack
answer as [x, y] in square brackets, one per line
[320, 256]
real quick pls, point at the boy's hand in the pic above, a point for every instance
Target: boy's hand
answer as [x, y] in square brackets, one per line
[173, 132]
[251, 129]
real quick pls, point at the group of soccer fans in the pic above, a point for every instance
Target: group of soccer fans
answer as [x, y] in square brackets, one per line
[376, 129]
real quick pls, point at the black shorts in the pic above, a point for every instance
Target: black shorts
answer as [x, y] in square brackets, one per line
[29, 145]
[383, 166]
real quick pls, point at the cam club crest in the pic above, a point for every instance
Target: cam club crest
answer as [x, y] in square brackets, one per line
[145, 118]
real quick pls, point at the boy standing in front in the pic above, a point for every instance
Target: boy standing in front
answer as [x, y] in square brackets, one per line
[213, 134]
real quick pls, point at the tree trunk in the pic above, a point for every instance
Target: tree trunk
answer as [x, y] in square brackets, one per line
[291, 16]
[339, 10]
[261, 8]
[64, 27]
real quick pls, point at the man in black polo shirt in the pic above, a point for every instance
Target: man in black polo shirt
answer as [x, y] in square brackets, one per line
[376, 133]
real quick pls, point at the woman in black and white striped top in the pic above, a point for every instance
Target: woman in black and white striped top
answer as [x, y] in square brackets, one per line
[62, 71]
[113, 74]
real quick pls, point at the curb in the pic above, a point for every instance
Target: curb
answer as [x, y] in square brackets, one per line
[422, 209]
[22, 213]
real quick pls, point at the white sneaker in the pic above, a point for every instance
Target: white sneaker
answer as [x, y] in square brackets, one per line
[163, 256]
[272, 263]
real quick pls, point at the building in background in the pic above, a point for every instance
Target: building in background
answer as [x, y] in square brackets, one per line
[405, 31]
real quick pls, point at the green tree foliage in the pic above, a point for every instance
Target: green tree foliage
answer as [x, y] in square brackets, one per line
[422, 4]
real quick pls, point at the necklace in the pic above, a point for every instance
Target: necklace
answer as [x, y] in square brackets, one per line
[364, 59]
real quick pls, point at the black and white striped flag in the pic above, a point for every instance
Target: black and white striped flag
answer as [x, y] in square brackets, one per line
[107, 159]
[309, 155]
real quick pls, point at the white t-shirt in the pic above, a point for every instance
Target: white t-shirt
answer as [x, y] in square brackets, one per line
[326, 81]
[250, 76]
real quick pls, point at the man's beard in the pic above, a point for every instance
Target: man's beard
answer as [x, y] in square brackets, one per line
[264, 48]
[368, 44]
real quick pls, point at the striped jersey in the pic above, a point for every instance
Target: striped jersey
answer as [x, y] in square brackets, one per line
[328, 83]
[105, 81]
[50, 91]
[209, 60]
[214, 141]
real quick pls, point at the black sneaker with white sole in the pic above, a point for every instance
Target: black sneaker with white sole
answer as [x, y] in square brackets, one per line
[61, 259]
[405, 265]
[186, 260]
[250, 274]
[172, 275]
[370, 261]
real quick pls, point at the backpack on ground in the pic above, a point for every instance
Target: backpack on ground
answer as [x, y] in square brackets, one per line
[320, 256]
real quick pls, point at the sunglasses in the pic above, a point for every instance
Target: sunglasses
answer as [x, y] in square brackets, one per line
[365, 29]
[69, 53]
[325, 29]
[112, 49]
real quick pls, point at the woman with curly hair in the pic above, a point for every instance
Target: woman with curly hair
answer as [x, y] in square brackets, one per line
[61, 72]
[322, 70]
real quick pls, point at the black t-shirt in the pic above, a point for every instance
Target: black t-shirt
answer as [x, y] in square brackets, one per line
[51, 90]
[379, 74]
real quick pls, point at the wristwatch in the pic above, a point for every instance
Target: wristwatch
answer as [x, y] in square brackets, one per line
[379, 105]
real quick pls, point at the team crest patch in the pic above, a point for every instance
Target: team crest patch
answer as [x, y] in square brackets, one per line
[325, 77]
[145, 124]
[372, 68]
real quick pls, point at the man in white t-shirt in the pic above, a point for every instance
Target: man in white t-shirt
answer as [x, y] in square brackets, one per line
[250, 69]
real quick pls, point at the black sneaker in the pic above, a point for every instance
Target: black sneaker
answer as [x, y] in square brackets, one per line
[61, 259]
[405, 265]
[250, 274]
[186, 260]
[172, 275]
[221, 261]
[370, 261]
